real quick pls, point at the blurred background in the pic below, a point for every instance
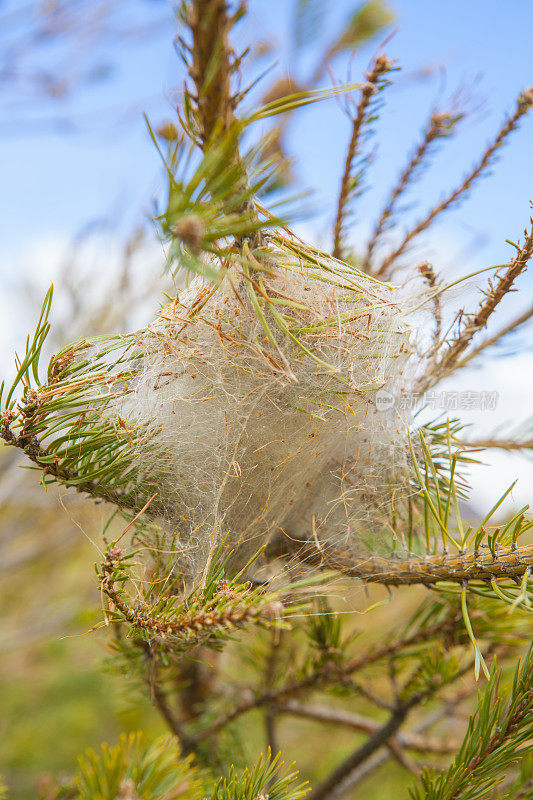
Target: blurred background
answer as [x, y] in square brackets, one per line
[81, 180]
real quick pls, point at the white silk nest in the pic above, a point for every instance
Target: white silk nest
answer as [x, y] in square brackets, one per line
[261, 396]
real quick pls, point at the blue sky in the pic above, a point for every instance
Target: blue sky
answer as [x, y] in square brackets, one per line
[55, 181]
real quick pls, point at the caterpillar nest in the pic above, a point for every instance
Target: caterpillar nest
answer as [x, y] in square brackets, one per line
[261, 398]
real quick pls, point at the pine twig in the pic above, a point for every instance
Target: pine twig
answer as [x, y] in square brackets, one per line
[191, 626]
[381, 757]
[332, 786]
[323, 672]
[212, 64]
[524, 103]
[358, 722]
[160, 700]
[490, 341]
[506, 277]
[33, 449]
[211, 67]
[509, 562]
[397, 752]
[381, 66]
[499, 731]
[440, 124]
[426, 271]
[326, 789]
[508, 445]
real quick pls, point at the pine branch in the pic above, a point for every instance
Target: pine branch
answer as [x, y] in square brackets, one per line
[75, 437]
[212, 67]
[509, 445]
[358, 722]
[525, 101]
[401, 757]
[381, 757]
[52, 468]
[160, 700]
[440, 125]
[381, 66]
[326, 789]
[69, 425]
[332, 786]
[498, 733]
[188, 621]
[209, 113]
[481, 558]
[506, 563]
[215, 201]
[505, 278]
[490, 341]
[324, 672]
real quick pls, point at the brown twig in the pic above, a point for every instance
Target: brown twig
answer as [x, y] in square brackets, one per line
[332, 787]
[397, 752]
[372, 763]
[373, 743]
[490, 341]
[500, 444]
[426, 270]
[381, 757]
[524, 103]
[505, 278]
[211, 67]
[160, 700]
[205, 622]
[358, 722]
[323, 672]
[381, 66]
[509, 562]
[440, 124]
